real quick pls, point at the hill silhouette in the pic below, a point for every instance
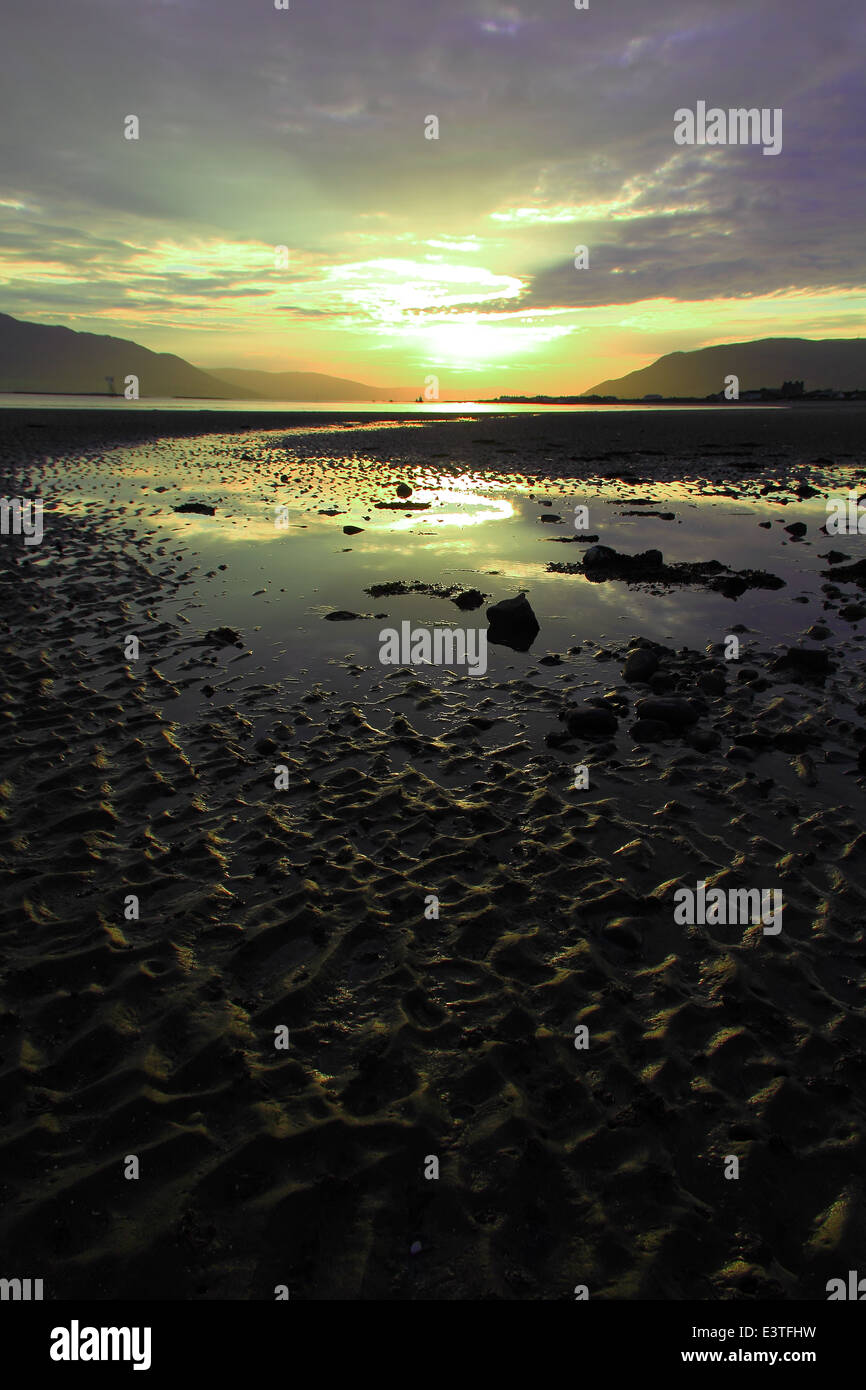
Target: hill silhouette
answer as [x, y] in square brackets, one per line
[821, 364]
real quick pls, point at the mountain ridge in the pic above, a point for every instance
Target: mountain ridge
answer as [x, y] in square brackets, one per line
[820, 363]
[50, 358]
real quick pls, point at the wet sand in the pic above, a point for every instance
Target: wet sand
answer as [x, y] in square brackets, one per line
[413, 1036]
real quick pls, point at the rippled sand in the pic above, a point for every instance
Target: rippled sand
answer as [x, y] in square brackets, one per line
[410, 1035]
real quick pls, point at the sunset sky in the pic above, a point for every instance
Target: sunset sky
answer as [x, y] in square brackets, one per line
[409, 256]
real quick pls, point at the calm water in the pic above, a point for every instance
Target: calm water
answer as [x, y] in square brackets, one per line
[481, 530]
[31, 402]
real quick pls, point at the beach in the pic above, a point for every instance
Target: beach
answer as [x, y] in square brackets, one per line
[284, 923]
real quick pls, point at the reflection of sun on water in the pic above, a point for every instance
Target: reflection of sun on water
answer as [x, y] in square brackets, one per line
[457, 507]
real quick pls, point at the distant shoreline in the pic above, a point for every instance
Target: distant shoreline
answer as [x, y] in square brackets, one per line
[765, 397]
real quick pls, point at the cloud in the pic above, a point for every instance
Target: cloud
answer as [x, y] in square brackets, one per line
[306, 128]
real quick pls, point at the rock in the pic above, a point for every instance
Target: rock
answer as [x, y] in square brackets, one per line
[712, 682]
[340, 615]
[552, 517]
[649, 558]
[551, 659]
[848, 574]
[670, 709]
[470, 598]
[598, 556]
[660, 682]
[835, 557]
[200, 508]
[403, 490]
[703, 740]
[812, 661]
[224, 636]
[640, 664]
[512, 623]
[730, 588]
[650, 731]
[852, 612]
[352, 530]
[797, 529]
[589, 722]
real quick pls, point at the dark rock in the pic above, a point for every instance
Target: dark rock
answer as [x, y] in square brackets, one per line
[673, 710]
[835, 557]
[797, 529]
[650, 731]
[813, 661]
[854, 574]
[599, 556]
[512, 623]
[556, 738]
[730, 588]
[660, 682]
[352, 530]
[703, 740]
[589, 722]
[200, 508]
[224, 636]
[470, 598]
[340, 615]
[640, 664]
[403, 490]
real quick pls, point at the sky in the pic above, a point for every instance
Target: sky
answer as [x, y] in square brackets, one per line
[408, 257]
